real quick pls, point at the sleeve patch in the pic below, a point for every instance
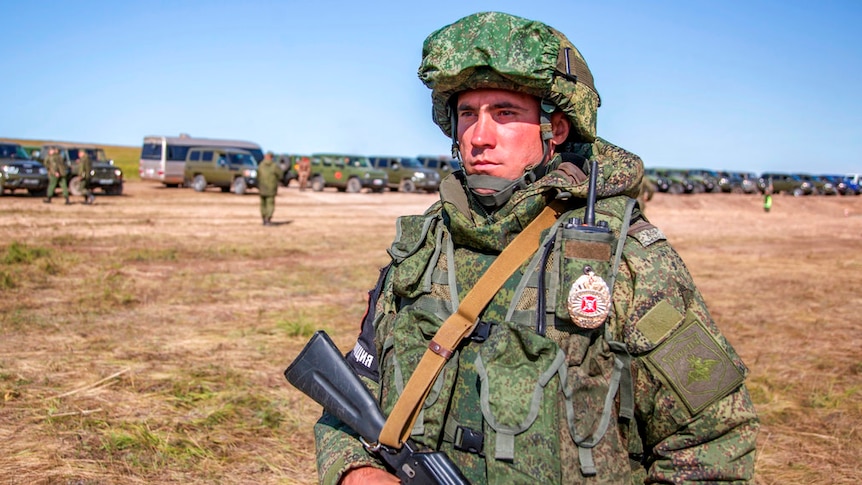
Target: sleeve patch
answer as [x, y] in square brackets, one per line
[658, 322]
[695, 366]
[646, 233]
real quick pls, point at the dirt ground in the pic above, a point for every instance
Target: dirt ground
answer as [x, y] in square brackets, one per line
[143, 339]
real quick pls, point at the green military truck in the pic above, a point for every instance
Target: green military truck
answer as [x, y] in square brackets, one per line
[785, 183]
[19, 172]
[347, 173]
[229, 169]
[103, 176]
[443, 165]
[407, 174]
[289, 167]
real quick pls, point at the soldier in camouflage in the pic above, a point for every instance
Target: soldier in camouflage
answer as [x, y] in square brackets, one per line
[58, 172]
[269, 174]
[646, 390]
[85, 169]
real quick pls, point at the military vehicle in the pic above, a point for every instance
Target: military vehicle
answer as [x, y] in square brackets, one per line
[737, 182]
[703, 180]
[822, 185]
[841, 185]
[852, 181]
[659, 182]
[103, 176]
[442, 164]
[347, 173]
[785, 183]
[230, 169]
[19, 172]
[677, 182]
[289, 166]
[407, 174]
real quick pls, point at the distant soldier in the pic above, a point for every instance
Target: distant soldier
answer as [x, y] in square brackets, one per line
[304, 170]
[268, 176]
[767, 195]
[85, 166]
[58, 172]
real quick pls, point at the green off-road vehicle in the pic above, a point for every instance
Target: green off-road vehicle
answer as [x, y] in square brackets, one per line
[443, 165]
[230, 169]
[19, 172]
[347, 173]
[407, 174]
[785, 183]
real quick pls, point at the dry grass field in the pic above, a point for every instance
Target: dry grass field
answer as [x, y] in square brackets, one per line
[143, 339]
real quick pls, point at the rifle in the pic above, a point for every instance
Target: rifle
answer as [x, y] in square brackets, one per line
[321, 373]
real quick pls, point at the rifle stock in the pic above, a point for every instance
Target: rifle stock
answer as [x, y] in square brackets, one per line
[321, 372]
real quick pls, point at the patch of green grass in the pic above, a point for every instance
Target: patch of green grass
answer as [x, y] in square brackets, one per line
[141, 447]
[297, 328]
[831, 398]
[20, 253]
[7, 281]
[148, 255]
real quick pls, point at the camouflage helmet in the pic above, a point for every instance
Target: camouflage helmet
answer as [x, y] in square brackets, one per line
[502, 51]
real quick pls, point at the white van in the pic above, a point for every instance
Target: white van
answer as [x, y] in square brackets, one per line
[163, 158]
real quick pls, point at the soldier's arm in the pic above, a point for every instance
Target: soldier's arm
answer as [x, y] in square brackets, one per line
[338, 447]
[695, 416]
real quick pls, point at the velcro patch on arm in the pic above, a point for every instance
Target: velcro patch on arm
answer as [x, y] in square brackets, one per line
[646, 233]
[695, 365]
[658, 322]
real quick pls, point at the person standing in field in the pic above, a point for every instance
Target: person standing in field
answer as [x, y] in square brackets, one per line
[592, 358]
[303, 171]
[269, 175]
[85, 168]
[58, 172]
[767, 195]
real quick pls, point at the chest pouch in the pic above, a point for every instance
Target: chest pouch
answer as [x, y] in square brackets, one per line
[403, 348]
[517, 393]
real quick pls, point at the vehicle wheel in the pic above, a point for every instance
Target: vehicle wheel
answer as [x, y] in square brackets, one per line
[354, 185]
[199, 183]
[675, 189]
[239, 186]
[407, 186]
[797, 192]
[317, 183]
[285, 181]
[698, 189]
[736, 189]
[75, 186]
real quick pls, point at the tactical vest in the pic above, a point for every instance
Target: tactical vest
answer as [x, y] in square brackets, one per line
[531, 397]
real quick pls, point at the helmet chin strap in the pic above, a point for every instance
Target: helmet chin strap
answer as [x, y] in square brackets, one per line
[499, 190]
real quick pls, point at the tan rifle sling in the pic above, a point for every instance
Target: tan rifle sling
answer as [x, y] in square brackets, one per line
[459, 325]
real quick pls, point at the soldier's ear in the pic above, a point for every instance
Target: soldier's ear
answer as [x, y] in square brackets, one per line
[560, 127]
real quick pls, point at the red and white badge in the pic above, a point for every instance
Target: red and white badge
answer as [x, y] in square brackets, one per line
[589, 300]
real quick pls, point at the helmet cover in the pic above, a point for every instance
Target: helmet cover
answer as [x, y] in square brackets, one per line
[493, 50]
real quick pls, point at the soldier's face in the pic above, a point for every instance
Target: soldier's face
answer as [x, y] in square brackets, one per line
[498, 132]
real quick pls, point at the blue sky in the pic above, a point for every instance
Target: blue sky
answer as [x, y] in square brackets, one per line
[751, 85]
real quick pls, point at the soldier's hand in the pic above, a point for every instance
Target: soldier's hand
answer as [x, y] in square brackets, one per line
[368, 475]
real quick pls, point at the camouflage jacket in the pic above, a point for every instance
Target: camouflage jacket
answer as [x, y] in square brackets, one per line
[85, 166]
[655, 394]
[268, 176]
[55, 165]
